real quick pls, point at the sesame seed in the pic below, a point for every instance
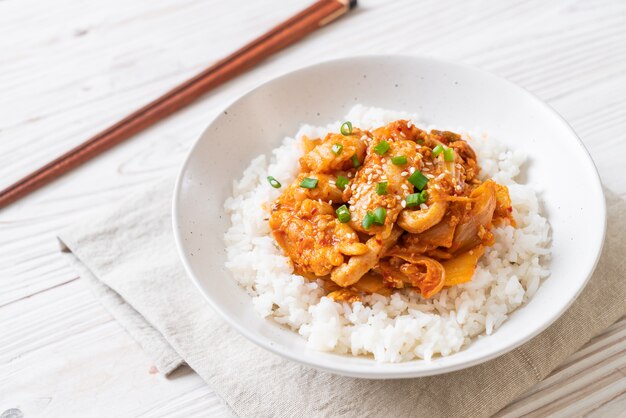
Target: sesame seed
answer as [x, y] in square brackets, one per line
[398, 198]
[403, 203]
[404, 174]
[424, 206]
[349, 175]
[412, 170]
[330, 202]
[430, 176]
[405, 187]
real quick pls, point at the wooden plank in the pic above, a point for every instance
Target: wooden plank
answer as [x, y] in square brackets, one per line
[585, 373]
[64, 355]
[615, 408]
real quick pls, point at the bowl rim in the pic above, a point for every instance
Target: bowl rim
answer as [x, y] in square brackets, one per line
[409, 370]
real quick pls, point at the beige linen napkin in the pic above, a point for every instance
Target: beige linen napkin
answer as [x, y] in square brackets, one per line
[129, 258]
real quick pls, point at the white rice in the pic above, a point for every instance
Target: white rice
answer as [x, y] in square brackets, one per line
[403, 326]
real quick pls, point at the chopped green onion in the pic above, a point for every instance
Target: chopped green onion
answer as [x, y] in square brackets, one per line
[399, 160]
[412, 200]
[416, 199]
[423, 196]
[341, 182]
[418, 180]
[448, 154]
[343, 214]
[382, 147]
[437, 150]
[381, 188]
[368, 220]
[346, 128]
[379, 216]
[308, 183]
[273, 182]
[355, 161]
[336, 149]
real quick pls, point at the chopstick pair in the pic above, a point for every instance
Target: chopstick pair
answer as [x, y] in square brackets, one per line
[287, 33]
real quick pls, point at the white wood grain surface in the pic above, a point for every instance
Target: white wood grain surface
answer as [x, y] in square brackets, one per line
[69, 68]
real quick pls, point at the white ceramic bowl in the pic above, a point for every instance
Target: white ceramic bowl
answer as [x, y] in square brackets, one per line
[446, 94]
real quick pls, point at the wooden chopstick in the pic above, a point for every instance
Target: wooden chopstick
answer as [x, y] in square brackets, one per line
[290, 31]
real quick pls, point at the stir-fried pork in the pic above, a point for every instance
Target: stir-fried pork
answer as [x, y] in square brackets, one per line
[394, 208]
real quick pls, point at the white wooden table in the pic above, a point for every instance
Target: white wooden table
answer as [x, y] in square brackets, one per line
[68, 68]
